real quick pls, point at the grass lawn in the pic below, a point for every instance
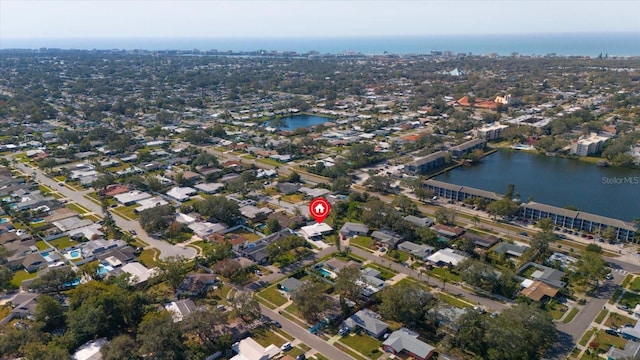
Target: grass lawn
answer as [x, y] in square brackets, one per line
[615, 296]
[147, 257]
[270, 162]
[385, 273]
[127, 211]
[572, 313]
[443, 273]
[605, 340]
[92, 217]
[601, 316]
[410, 281]
[635, 284]
[319, 357]
[587, 335]
[454, 301]
[4, 311]
[345, 349]
[362, 241]
[292, 198]
[292, 309]
[397, 256]
[77, 208]
[251, 237]
[41, 245]
[630, 299]
[272, 295]
[21, 275]
[618, 320]
[62, 243]
[557, 311]
[364, 344]
[266, 337]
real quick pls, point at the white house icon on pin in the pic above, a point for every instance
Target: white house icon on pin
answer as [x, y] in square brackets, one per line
[319, 209]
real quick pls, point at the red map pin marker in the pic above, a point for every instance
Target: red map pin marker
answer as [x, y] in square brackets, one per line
[319, 208]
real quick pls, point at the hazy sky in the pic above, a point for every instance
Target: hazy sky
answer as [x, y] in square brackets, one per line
[297, 18]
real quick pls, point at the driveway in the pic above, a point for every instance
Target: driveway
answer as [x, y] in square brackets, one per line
[166, 249]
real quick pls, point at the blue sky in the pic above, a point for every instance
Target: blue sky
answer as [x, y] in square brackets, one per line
[22, 19]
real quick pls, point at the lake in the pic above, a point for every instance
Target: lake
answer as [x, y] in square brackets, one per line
[611, 192]
[304, 121]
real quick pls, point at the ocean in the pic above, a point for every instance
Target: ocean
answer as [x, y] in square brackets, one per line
[613, 44]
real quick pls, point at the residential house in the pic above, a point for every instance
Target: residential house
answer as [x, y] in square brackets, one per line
[386, 238]
[419, 251]
[336, 265]
[33, 262]
[450, 232]
[180, 309]
[419, 221]
[204, 229]
[254, 214]
[23, 306]
[481, 240]
[90, 350]
[290, 284]
[447, 256]
[405, 341]
[249, 349]
[287, 188]
[196, 284]
[181, 193]
[209, 188]
[371, 277]
[131, 197]
[315, 231]
[631, 350]
[513, 250]
[149, 204]
[537, 290]
[368, 321]
[547, 275]
[350, 229]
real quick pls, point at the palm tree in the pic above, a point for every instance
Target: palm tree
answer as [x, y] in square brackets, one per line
[476, 220]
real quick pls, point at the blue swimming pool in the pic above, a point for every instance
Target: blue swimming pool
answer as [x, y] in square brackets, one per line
[75, 282]
[73, 254]
[326, 273]
[4, 220]
[103, 269]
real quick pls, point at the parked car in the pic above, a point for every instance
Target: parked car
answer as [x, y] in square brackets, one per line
[133, 232]
[301, 357]
[276, 324]
[523, 233]
[344, 331]
[611, 332]
[286, 346]
[60, 184]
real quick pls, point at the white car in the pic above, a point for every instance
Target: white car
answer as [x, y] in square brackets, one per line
[286, 346]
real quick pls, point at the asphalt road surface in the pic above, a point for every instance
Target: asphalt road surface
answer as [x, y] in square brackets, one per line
[166, 249]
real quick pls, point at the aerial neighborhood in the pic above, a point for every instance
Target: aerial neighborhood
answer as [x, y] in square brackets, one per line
[156, 205]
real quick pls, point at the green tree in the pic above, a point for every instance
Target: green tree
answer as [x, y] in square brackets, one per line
[209, 325]
[160, 337]
[273, 226]
[247, 308]
[121, 347]
[220, 208]
[157, 218]
[405, 205]
[49, 313]
[54, 280]
[545, 224]
[173, 270]
[445, 216]
[592, 268]
[349, 284]
[409, 304]
[310, 300]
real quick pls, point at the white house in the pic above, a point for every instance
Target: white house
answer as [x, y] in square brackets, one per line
[249, 349]
[446, 256]
[181, 193]
[315, 231]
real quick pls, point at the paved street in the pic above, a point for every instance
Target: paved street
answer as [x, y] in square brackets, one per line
[305, 336]
[166, 249]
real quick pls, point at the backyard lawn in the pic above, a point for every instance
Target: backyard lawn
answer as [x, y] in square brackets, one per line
[21, 275]
[63, 242]
[41, 245]
[364, 344]
[251, 237]
[292, 198]
[605, 341]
